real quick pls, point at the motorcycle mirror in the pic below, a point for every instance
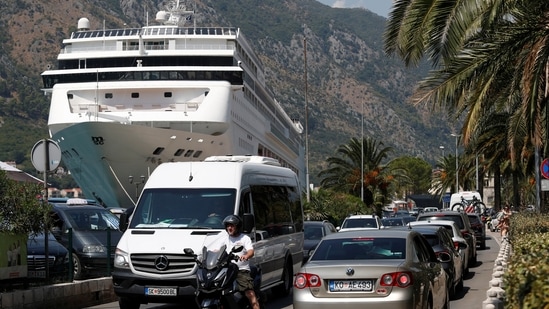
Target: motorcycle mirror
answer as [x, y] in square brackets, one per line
[188, 251]
[237, 249]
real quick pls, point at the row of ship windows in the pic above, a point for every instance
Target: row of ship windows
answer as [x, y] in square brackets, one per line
[234, 77]
[179, 152]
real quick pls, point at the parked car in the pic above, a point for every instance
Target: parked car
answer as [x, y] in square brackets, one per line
[462, 221]
[91, 226]
[314, 231]
[360, 222]
[479, 228]
[415, 211]
[460, 243]
[393, 268]
[58, 257]
[441, 240]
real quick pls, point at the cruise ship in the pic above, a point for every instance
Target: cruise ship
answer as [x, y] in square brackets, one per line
[125, 100]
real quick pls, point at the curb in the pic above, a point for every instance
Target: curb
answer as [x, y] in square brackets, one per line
[495, 295]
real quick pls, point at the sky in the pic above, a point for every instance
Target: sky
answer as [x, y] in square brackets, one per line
[380, 7]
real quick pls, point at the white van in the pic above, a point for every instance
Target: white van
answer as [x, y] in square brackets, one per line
[183, 205]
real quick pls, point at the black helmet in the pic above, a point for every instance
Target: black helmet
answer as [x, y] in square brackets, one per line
[234, 220]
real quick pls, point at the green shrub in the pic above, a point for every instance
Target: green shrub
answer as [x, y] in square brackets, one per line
[527, 276]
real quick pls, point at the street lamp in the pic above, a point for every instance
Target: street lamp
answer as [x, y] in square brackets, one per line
[442, 148]
[457, 164]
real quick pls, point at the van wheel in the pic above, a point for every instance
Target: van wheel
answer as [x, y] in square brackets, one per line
[77, 267]
[128, 303]
[286, 286]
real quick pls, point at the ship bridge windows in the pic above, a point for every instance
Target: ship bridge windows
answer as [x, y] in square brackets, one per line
[168, 94]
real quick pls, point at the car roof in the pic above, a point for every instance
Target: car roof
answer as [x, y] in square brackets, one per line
[315, 222]
[369, 233]
[361, 216]
[75, 203]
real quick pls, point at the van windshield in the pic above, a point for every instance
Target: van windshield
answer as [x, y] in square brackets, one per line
[183, 208]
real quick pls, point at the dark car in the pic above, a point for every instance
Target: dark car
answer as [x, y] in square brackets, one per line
[479, 228]
[58, 257]
[314, 231]
[91, 226]
[441, 240]
[462, 221]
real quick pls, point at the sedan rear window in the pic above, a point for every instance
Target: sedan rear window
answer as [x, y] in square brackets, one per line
[360, 249]
[456, 219]
[359, 223]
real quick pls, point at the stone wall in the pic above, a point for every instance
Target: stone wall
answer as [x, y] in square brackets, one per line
[78, 294]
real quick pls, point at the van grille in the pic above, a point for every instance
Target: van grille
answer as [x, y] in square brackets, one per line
[38, 262]
[163, 263]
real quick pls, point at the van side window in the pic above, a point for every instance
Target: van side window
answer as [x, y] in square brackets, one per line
[275, 209]
[245, 207]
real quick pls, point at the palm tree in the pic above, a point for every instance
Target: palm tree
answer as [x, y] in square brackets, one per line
[345, 170]
[489, 56]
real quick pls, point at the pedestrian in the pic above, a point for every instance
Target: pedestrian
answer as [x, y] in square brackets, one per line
[233, 226]
[503, 219]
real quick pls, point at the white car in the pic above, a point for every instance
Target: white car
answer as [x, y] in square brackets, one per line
[360, 222]
[459, 242]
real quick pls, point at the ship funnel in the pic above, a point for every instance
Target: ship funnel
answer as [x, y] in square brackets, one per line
[83, 24]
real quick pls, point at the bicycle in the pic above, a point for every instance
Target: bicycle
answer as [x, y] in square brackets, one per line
[474, 206]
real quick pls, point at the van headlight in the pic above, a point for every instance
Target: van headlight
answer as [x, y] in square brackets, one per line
[121, 259]
[93, 249]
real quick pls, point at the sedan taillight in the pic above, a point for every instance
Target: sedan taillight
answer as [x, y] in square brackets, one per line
[305, 280]
[400, 279]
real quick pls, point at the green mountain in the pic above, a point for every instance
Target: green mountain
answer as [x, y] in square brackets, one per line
[352, 86]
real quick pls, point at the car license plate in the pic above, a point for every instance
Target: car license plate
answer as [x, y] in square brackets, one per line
[160, 291]
[36, 274]
[350, 285]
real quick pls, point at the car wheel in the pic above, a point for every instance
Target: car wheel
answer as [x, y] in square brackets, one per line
[286, 286]
[483, 244]
[452, 288]
[77, 267]
[128, 303]
[459, 286]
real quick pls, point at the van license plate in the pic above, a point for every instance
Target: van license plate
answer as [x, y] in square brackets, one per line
[160, 291]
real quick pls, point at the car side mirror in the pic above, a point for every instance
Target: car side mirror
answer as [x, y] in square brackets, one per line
[248, 223]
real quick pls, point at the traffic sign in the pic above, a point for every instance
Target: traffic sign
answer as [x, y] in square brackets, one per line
[46, 154]
[545, 168]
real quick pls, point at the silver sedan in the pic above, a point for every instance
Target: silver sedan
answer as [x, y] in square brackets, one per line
[370, 268]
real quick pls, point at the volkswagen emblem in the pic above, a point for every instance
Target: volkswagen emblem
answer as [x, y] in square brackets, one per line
[350, 271]
[161, 263]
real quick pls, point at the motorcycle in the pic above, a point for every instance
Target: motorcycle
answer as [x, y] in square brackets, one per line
[216, 280]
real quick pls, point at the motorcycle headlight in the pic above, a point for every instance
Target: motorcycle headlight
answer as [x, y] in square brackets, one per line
[121, 259]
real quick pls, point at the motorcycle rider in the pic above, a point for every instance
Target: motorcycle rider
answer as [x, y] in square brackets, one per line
[233, 226]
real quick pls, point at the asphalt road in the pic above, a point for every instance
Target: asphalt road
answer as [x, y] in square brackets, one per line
[473, 294]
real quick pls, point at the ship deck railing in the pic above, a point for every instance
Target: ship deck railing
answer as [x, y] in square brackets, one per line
[155, 31]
